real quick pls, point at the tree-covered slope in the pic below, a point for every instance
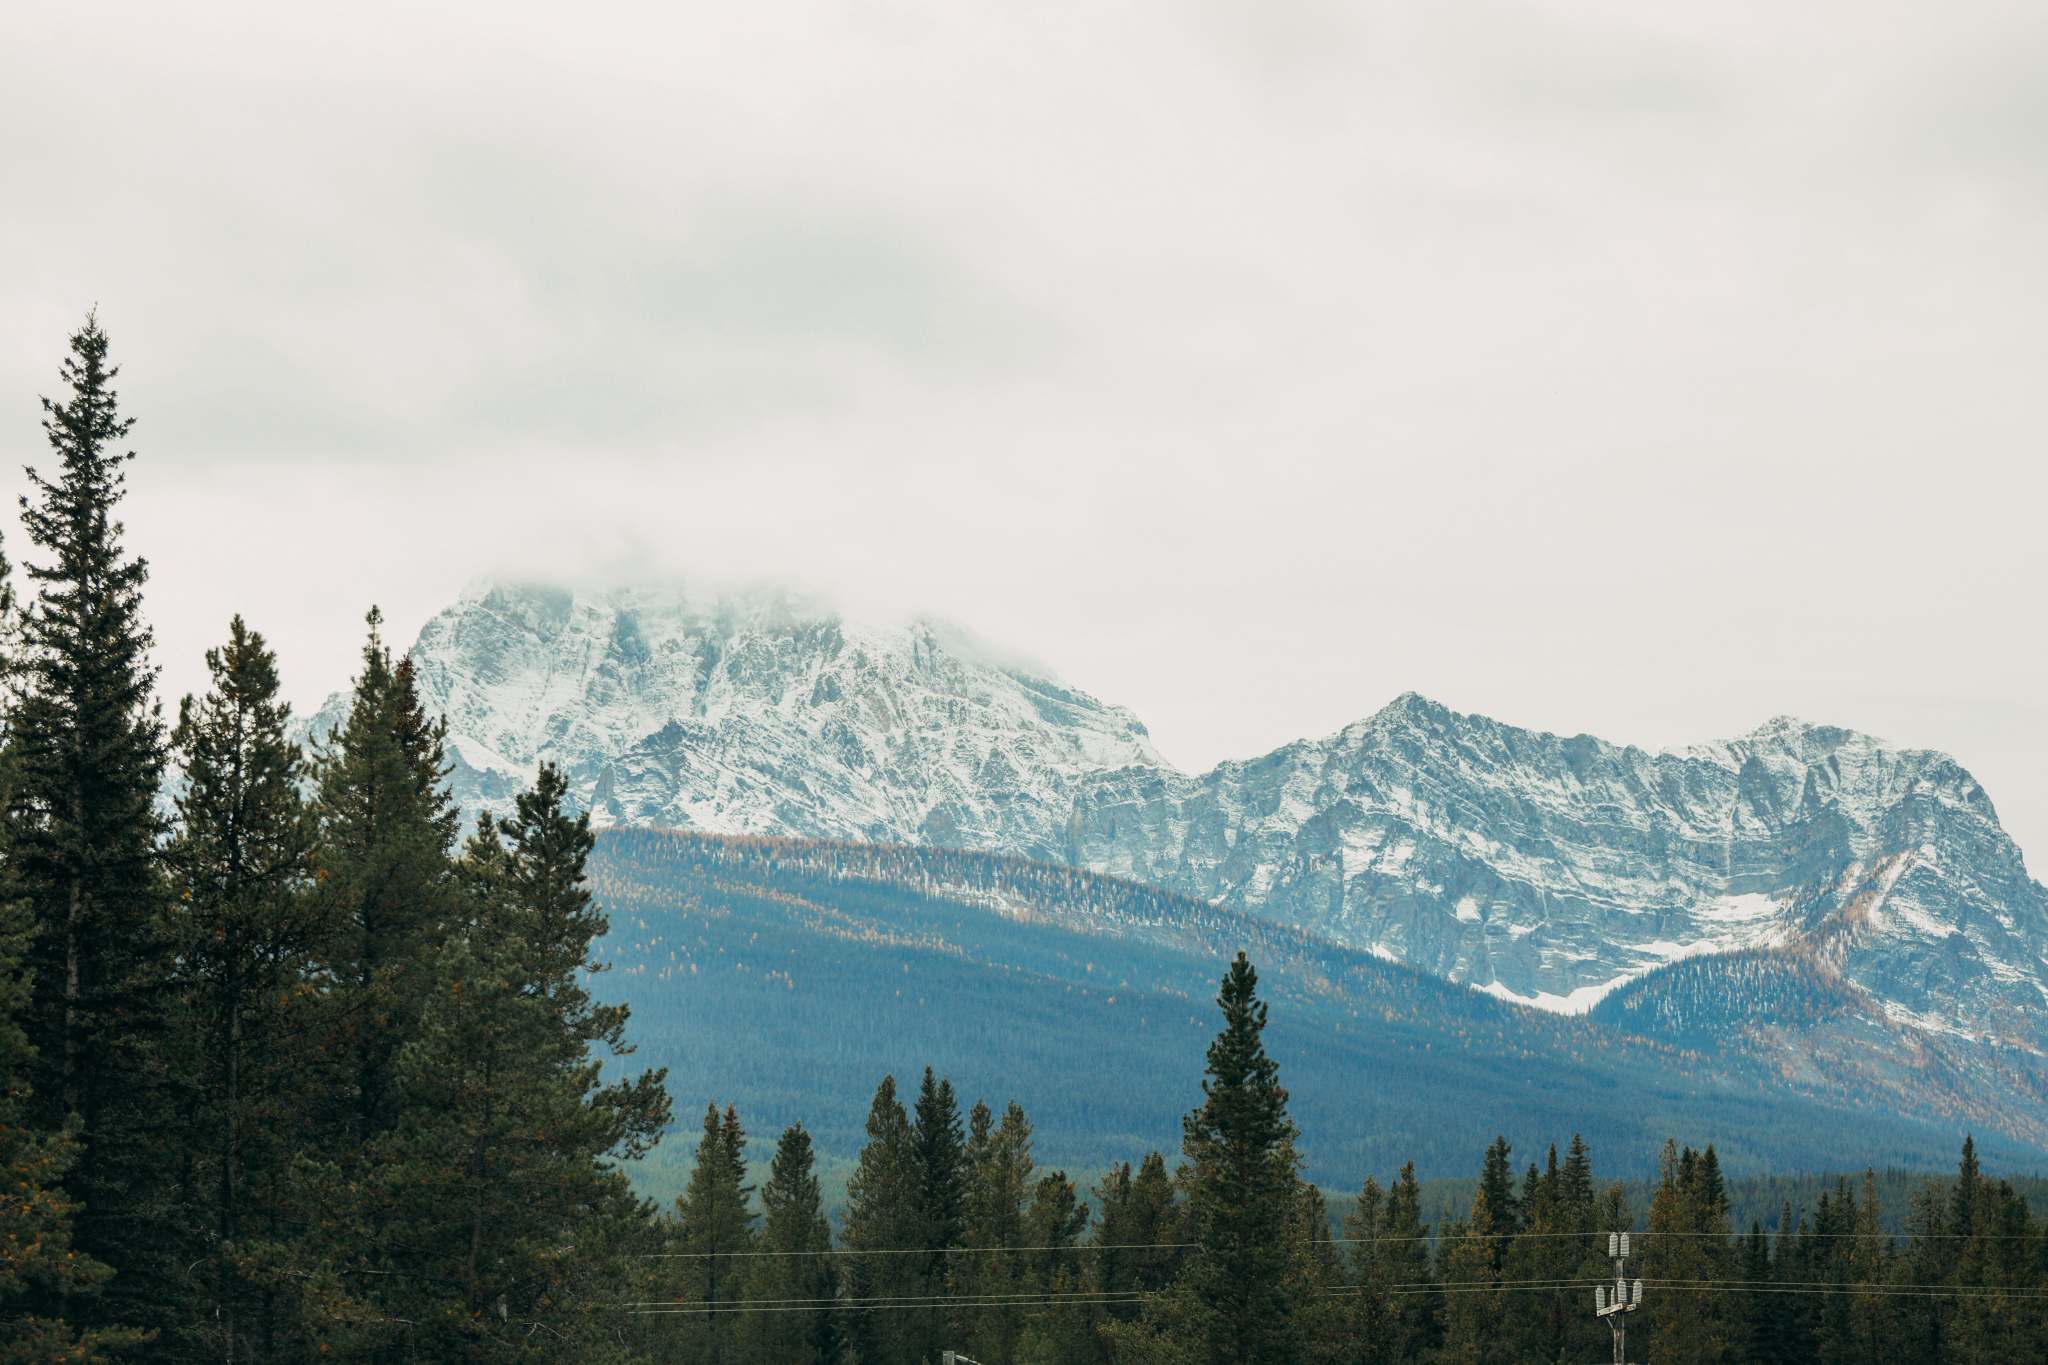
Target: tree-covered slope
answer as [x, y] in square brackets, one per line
[789, 975]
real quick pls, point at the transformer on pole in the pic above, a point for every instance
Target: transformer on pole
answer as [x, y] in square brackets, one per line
[1617, 1303]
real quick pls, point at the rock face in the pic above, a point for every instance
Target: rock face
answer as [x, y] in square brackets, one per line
[1552, 870]
[758, 713]
[1544, 869]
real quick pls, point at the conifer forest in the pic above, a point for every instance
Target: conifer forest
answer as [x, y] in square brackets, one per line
[302, 1065]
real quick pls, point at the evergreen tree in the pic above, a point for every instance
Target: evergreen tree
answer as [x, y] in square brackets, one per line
[87, 753]
[1687, 1244]
[1966, 1204]
[884, 1215]
[1584, 1337]
[1153, 1223]
[793, 1280]
[1929, 1267]
[1002, 1179]
[1237, 1143]
[940, 1149]
[480, 1213]
[1495, 1206]
[1393, 1315]
[1316, 1273]
[528, 895]
[387, 882]
[939, 1156]
[714, 1259]
[1475, 1317]
[1752, 1331]
[1541, 1321]
[239, 867]
[1872, 1265]
[537, 876]
[35, 1219]
[1057, 1330]
[488, 1220]
[1140, 1234]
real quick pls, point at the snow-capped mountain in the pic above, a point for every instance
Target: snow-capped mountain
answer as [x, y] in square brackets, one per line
[1545, 869]
[756, 712]
[1552, 870]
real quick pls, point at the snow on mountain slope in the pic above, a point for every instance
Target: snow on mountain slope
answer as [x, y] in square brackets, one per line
[1551, 870]
[1545, 869]
[758, 712]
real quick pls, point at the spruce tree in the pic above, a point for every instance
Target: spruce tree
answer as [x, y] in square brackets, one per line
[939, 1152]
[1688, 1243]
[714, 1250]
[884, 1216]
[1410, 1247]
[1140, 1233]
[1580, 1209]
[1872, 1262]
[87, 753]
[35, 1218]
[489, 1216]
[794, 1279]
[1237, 1141]
[1056, 1327]
[1541, 1321]
[240, 867]
[1002, 1177]
[1394, 1317]
[1752, 1334]
[1496, 1212]
[387, 882]
[524, 876]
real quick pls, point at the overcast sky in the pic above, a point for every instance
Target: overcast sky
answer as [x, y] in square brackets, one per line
[1626, 366]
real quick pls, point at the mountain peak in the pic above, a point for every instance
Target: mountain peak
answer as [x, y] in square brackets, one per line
[1411, 708]
[760, 708]
[1545, 869]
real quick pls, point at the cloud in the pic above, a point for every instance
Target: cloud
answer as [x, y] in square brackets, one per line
[1637, 368]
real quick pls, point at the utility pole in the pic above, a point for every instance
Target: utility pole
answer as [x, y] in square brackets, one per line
[1616, 1304]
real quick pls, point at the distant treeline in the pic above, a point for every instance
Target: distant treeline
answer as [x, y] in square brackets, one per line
[1769, 1199]
[953, 1238]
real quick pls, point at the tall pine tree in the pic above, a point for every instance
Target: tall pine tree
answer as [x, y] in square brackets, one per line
[387, 883]
[714, 1251]
[939, 1149]
[240, 869]
[35, 1218]
[794, 1279]
[883, 1220]
[489, 1218]
[1393, 1318]
[87, 752]
[999, 1160]
[1238, 1143]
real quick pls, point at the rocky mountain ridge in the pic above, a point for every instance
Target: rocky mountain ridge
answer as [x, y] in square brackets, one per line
[1544, 869]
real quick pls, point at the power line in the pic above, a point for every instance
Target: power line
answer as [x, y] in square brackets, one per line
[1734, 1240]
[887, 1300]
[910, 1251]
[799, 1306]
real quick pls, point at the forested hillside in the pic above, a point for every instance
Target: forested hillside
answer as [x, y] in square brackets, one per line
[785, 974]
[954, 1233]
